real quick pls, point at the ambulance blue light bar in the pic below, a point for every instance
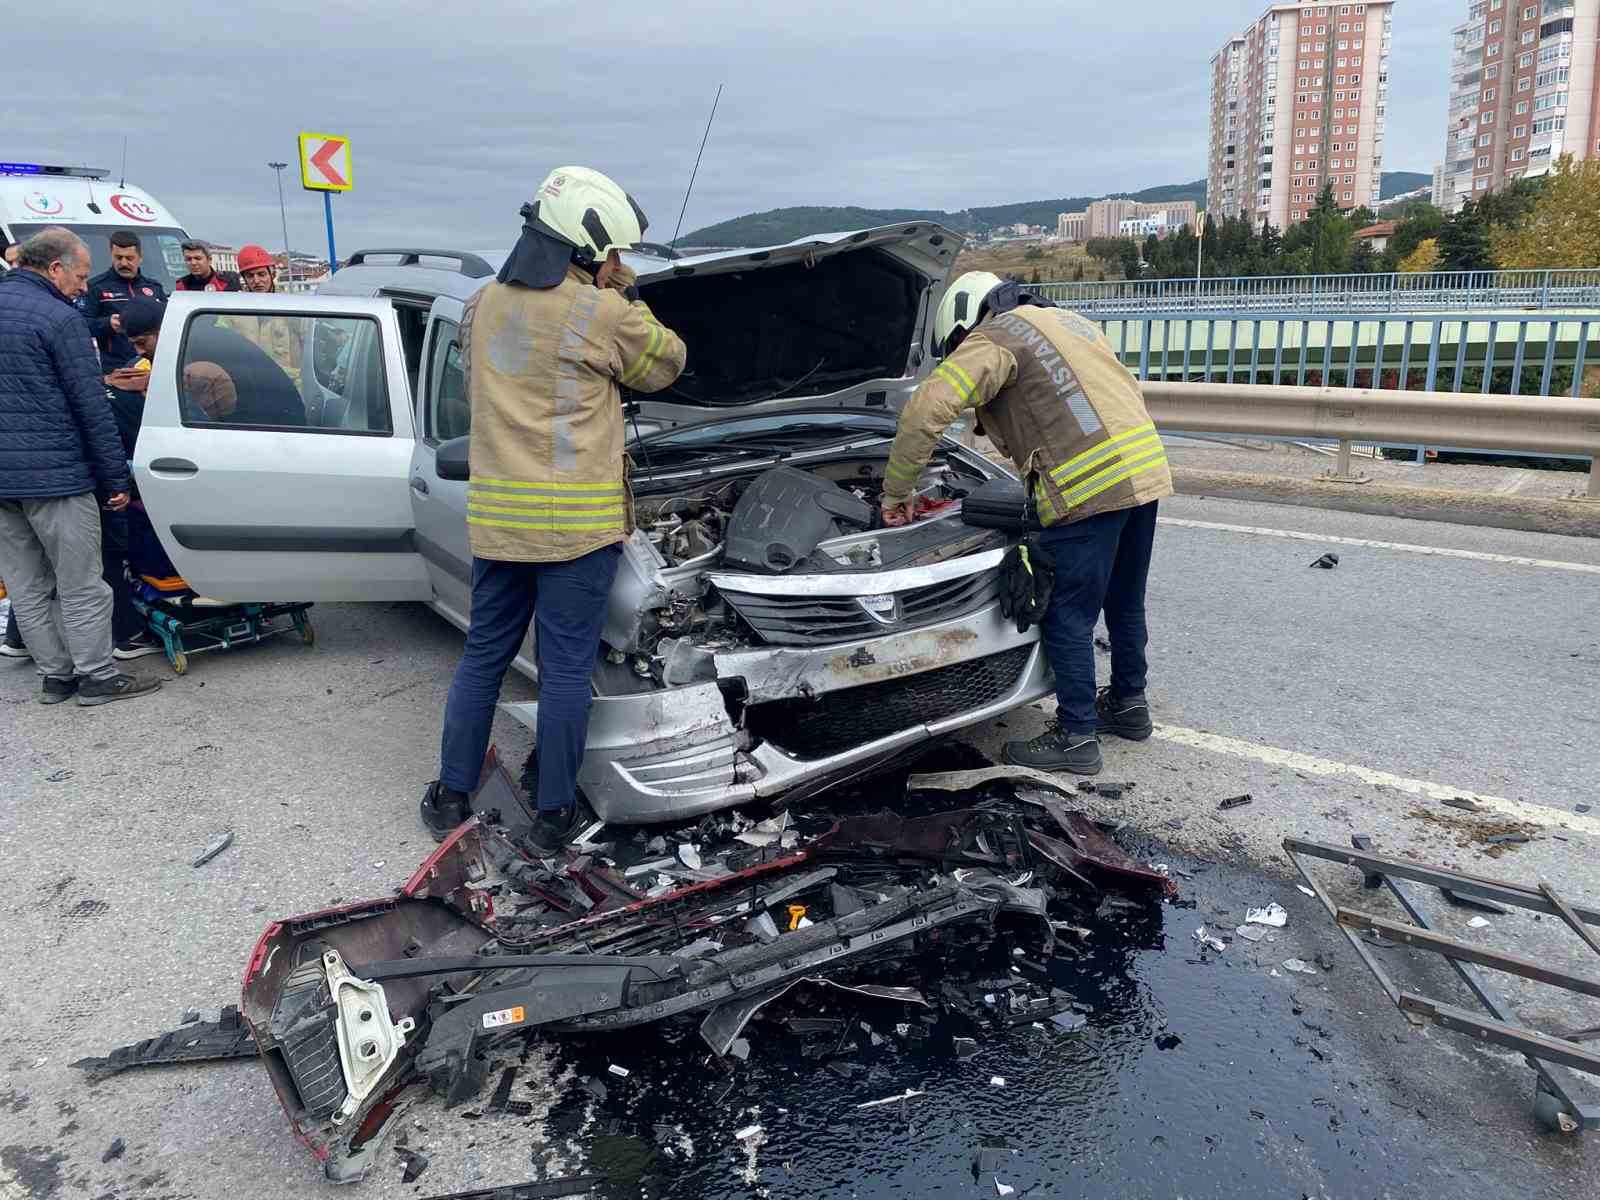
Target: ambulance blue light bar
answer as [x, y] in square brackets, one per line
[14, 168]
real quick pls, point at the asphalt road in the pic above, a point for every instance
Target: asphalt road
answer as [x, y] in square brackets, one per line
[1342, 701]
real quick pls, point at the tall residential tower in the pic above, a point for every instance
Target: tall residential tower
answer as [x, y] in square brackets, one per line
[1523, 92]
[1298, 103]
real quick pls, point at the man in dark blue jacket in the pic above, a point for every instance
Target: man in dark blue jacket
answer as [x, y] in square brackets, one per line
[108, 293]
[58, 448]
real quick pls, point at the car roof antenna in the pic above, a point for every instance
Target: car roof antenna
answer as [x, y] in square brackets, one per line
[122, 180]
[689, 191]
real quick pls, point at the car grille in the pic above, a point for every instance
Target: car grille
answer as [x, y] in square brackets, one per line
[837, 721]
[819, 620]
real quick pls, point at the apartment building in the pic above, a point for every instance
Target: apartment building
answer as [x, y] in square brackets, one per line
[1299, 103]
[1072, 227]
[1107, 217]
[1523, 92]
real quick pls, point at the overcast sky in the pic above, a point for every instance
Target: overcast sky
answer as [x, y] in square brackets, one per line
[457, 110]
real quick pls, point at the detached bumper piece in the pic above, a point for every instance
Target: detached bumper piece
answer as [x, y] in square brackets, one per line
[1561, 1102]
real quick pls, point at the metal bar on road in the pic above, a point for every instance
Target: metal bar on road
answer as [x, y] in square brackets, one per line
[1539, 1048]
[1571, 918]
[1453, 948]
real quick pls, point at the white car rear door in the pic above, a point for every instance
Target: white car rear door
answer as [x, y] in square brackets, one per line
[276, 446]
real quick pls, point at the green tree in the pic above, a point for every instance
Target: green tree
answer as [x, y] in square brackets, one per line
[1421, 222]
[1324, 235]
[1464, 241]
[1128, 259]
[1363, 258]
[1562, 225]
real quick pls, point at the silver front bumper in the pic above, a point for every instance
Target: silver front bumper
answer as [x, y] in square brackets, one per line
[676, 753]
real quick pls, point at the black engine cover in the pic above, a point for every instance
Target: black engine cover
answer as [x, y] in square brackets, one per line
[782, 516]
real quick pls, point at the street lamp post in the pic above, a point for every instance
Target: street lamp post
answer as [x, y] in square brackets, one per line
[283, 214]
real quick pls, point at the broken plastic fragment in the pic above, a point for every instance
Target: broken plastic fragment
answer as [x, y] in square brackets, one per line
[1327, 562]
[1302, 887]
[1236, 801]
[908, 1094]
[1299, 965]
[1478, 923]
[1273, 914]
[965, 1047]
[1251, 933]
[619, 1072]
[217, 846]
[997, 1081]
[114, 1150]
[1003, 1189]
[1209, 940]
[689, 854]
[747, 1133]
[1069, 1021]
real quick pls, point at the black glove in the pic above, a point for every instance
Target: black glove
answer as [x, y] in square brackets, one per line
[1027, 576]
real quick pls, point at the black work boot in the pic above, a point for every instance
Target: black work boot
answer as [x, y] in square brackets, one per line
[1126, 716]
[54, 690]
[1057, 750]
[114, 687]
[550, 832]
[442, 809]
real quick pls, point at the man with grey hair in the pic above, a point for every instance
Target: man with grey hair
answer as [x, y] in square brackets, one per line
[58, 448]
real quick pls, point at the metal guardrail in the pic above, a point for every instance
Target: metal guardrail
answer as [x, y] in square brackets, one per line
[1391, 292]
[1525, 424]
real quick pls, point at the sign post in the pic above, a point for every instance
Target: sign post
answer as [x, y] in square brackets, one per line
[325, 168]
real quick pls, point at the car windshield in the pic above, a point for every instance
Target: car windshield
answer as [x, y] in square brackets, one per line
[163, 251]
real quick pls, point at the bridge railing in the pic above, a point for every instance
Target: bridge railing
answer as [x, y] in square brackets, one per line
[1395, 291]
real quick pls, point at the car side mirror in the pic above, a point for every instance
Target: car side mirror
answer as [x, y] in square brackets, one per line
[450, 460]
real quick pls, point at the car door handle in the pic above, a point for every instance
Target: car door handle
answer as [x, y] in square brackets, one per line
[419, 484]
[173, 466]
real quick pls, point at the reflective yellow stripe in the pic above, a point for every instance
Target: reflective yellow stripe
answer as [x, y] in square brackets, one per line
[549, 526]
[645, 361]
[900, 470]
[1124, 450]
[484, 481]
[1066, 468]
[571, 515]
[529, 500]
[1114, 475]
[958, 379]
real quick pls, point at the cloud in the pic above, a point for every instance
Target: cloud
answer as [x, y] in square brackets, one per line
[457, 111]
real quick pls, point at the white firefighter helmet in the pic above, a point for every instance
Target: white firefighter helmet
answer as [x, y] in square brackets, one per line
[959, 307]
[587, 210]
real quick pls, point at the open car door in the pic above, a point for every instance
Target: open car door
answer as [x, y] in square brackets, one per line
[276, 446]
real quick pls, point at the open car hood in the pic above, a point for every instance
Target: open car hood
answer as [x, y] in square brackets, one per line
[833, 320]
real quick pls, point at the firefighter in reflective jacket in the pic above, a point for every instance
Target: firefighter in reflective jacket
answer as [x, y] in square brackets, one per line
[1051, 394]
[546, 350]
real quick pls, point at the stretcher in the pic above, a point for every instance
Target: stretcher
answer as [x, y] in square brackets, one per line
[188, 624]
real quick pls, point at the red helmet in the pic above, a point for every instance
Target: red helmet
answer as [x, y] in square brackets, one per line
[252, 257]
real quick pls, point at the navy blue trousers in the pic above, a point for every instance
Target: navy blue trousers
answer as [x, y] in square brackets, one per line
[567, 601]
[1102, 563]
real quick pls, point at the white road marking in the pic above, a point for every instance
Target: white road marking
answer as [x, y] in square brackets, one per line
[1438, 551]
[1309, 764]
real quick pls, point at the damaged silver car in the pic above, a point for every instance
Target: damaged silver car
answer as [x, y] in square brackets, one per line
[763, 637]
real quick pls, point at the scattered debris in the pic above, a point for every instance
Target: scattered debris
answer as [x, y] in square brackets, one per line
[1209, 941]
[1299, 966]
[415, 1163]
[1324, 960]
[214, 849]
[619, 1072]
[689, 855]
[908, 1094]
[1464, 804]
[115, 1150]
[1302, 887]
[1507, 839]
[748, 1132]
[549, 1189]
[1168, 1041]
[1378, 940]
[1328, 561]
[965, 1047]
[1467, 900]
[1580, 808]
[1478, 923]
[1238, 801]
[189, 1016]
[1069, 1021]
[1251, 933]
[997, 1081]
[58, 776]
[1003, 1189]
[1274, 914]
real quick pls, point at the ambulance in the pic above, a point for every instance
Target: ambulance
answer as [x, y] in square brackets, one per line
[36, 195]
